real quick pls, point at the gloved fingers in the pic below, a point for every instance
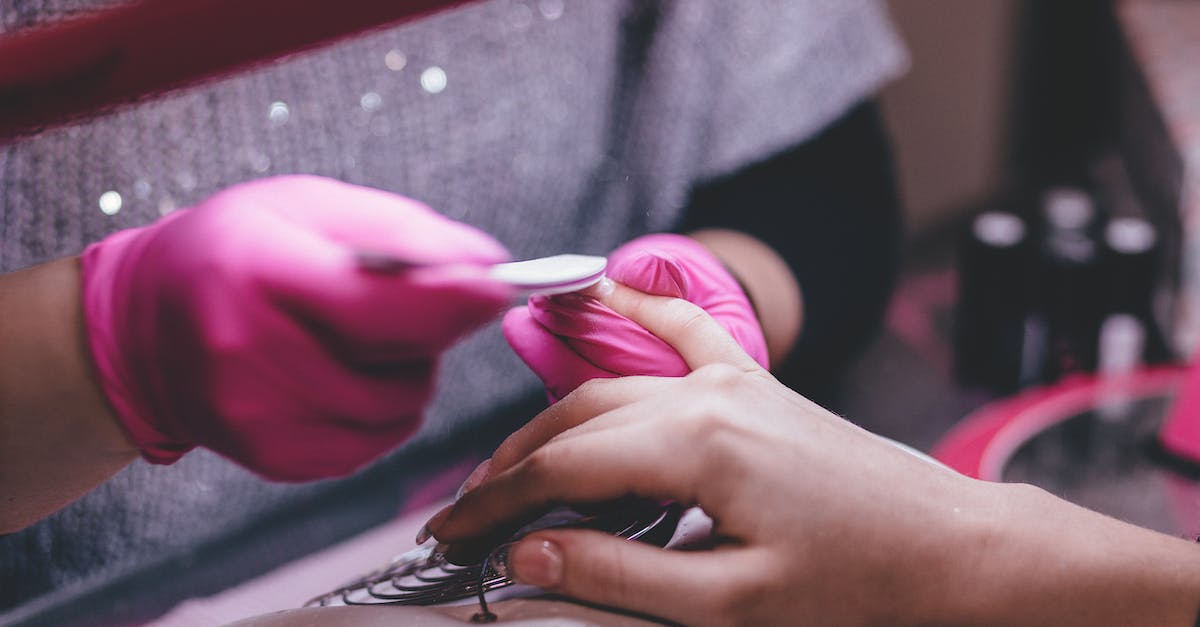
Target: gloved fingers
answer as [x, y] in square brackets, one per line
[373, 220]
[550, 357]
[605, 337]
[680, 249]
[652, 272]
[427, 310]
[353, 393]
[314, 450]
[324, 417]
[666, 264]
[377, 315]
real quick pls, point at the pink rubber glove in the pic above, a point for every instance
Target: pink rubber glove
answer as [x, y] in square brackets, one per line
[572, 338]
[245, 325]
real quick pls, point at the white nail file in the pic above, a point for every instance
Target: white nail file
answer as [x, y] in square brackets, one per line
[548, 275]
[552, 275]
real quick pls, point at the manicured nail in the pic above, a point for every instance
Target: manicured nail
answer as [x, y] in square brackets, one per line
[474, 479]
[537, 563]
[439, 549]
[434, 522]
[602, 289]
[498, 560]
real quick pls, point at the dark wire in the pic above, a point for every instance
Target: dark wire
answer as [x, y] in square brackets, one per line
[484, 615]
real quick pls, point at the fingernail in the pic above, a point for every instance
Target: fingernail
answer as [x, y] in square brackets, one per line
[602, 289]
[537, 563]
[434, 522]
[498, 560]
[474, 479]
[439, 550]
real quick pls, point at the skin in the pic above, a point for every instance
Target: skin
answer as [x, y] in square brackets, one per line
[59, 438]
[818, 521]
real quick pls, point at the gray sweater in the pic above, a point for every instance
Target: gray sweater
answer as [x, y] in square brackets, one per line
[556, 125]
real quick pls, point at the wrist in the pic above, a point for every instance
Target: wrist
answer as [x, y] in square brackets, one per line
[1043, 560]
[47, 367]
[108, 299]
[65, 437]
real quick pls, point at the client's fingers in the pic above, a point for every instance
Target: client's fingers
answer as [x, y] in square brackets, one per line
[588, 401]
[602, 465]
[684, 325]
[685, 588]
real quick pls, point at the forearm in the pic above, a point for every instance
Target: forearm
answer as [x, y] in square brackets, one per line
[58, 438]
[1047, 562]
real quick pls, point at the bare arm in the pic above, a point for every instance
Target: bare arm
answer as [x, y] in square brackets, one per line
[58, 438]
[1044, 561]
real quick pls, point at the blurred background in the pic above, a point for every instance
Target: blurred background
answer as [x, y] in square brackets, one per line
[1002, 93]
[1047, 156]
[950, 115]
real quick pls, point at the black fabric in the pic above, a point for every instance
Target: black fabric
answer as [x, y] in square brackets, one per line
[830, 208]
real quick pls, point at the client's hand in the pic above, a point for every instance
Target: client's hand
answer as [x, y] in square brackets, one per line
[245, 325]
[817, 522]
[573, 338]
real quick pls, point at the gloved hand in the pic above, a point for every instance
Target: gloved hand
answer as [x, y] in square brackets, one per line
[571, 338]
[245, 325]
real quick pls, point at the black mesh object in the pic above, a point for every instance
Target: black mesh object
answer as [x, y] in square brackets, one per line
[423, 576]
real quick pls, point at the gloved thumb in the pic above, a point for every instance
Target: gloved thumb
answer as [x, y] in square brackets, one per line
[607, 570]
[652, 272]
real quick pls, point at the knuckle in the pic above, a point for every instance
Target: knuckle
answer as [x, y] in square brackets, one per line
[506, 454]
[698, 423]
[719, 375]
[690, 316]
[735, 601]
[705, 431]
[726, 604]
[717, 437]
[589, 391]
[598, 575]
[538, 467]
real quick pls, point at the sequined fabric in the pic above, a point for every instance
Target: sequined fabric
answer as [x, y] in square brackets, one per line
[556, 125]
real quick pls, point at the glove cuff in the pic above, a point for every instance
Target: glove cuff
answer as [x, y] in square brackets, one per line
[102, 271]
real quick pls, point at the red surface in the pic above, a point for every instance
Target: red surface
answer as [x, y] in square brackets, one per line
[1181, 432]
[85, 65]
[983, 442]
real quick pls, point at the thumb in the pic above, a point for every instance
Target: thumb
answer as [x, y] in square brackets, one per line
[683, 587]
[548, 356]
[652, 272]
